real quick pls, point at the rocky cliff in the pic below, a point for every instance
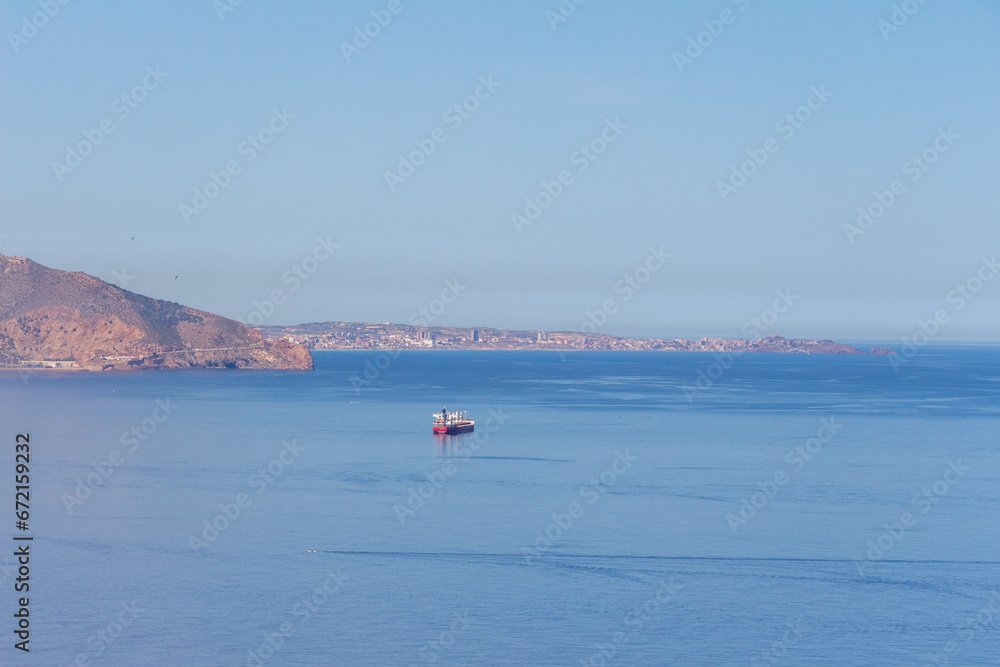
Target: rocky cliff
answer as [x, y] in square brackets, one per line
[49, 316]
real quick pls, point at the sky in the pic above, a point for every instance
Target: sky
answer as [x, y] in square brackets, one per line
[667, 169]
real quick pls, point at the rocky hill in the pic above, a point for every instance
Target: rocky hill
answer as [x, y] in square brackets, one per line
[61, 319]
[776, 343]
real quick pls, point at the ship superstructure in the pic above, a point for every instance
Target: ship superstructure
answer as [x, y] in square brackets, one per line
[449, 423]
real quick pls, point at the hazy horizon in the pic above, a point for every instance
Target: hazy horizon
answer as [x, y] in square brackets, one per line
[298, 120]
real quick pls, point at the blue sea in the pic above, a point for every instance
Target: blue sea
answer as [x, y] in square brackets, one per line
[610, 509]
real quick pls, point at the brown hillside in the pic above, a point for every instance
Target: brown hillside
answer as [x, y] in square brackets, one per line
[46, 314]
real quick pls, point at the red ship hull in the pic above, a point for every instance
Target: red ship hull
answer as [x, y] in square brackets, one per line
[453, 429]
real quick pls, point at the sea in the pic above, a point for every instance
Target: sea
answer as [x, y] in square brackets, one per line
[611, 508]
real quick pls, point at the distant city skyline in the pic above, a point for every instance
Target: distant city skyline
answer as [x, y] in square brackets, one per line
[677, 170]
[389, 338]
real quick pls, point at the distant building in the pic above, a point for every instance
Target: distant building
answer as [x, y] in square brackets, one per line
[475, 335]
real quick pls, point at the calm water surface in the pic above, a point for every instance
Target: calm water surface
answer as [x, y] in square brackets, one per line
[609, 509]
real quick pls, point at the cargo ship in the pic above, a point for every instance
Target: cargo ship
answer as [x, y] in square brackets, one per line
[450, 423]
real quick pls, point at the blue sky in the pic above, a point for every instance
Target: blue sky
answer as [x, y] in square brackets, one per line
[680, 131]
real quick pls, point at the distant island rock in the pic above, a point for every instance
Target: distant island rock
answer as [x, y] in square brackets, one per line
[58, 319]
